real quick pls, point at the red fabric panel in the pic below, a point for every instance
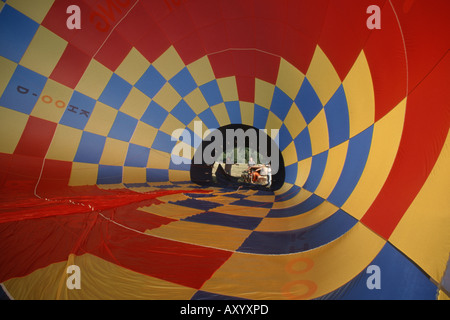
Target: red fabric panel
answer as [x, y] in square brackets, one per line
[153, 43]
[70, 67]
[429, 38]
[135, 25]
[222, 64]
[177, 25]
[203, 12]
[266, 67]
[55, 174]
[344, 32]
[29, 244]
[298, 49]
[386, 57]
[214, 37]
[36, 137]
[114, 51]
[246, 88]
[190, 48]
[241, 33]
[423, 136]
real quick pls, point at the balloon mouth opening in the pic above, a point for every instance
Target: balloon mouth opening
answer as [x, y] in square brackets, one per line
[230, 155]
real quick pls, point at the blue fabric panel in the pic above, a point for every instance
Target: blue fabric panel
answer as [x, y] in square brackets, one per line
[234, 111]
[163, 142]
[154, 115]
[308, 102]
[157, 175]
[16, 33]
[211, 92]
[183, 82]
[281, 103]
[260, 117]
[183, 112]
[336, 112]
[115, 92]
[312, 202]
[90, 148]
[318, 164]
[299, 240]
[303, 145]
[358, 151]
[150, 82]
[123, 127]
[400, 279]
[226, 220]
[137, 156]
[23, 90]
[109, 174]
[78, 111]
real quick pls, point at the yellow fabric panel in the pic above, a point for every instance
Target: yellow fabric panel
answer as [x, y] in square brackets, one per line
[228, 88]
[83, 174]
[99, 280]
[201, 71]
[114, 152]
[306, 275]
[36, 10]
[423, 232]
[290, 154]
[196, 101]
[8, 67]
[443, 296]
[43, 52]
[52, 102]
[294, 122]
[262, 198]
[170, 210]
[135, 104]
[358, 89]
[179, 175]
[289, 79]
[101, 120]
[134, 175]
[285, 188]
[218, 199]
[333, 169]
[247, 112]
[42, 284]
[94, 80]
[113, 186]
[202, 234]
[322, 76]
[169, 63]
[273, 122]
[379, 162]
[133, 66]
[263, 93]
[316, 215]
[12, 124]
[304, 167]
[258, 212]
[64, 144]
[171, 124]
[167, 97]
[318, 131]
[301, 196]
[144, 135]
[158, 159]
[221, 114]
